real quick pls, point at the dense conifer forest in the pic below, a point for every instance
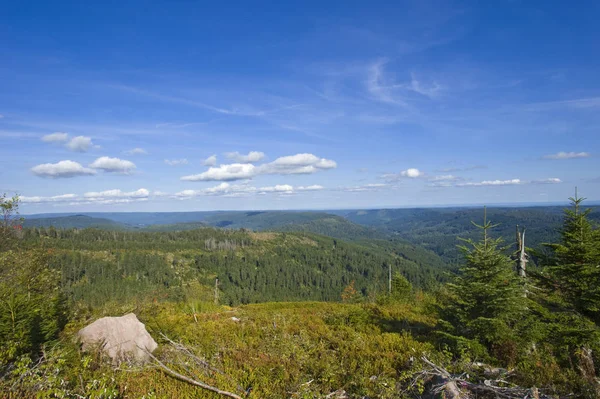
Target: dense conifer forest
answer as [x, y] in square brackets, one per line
[321, 307]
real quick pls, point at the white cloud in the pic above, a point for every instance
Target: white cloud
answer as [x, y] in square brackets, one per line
[445, 178]
[238, 190]
[102, 197]
[365, 187]
[61, 169]
[511, 182]
[297, 164]
[235, 171]
[551, 180]
[57, 137]
[141, 193]
[251, 157]
[567, 155]
[56, 198]
[314, 187]
[108, 164]
[431, 91]
[79, 144]
[175, 162]
[293, 164]
[136, 151]
[461, 168]
[210, 161]
[280, 188]
[410, 173]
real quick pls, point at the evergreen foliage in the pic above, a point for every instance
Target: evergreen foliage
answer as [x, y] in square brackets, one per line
[487, 295]
[574, 264]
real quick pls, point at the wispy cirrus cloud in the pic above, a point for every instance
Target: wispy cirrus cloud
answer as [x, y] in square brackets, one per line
[58, 137]
[567, 155]
[136, 151]
[461, 168]
[365, 187]
[176, 162]
[510, 182]
[237, 190]
[93, 197]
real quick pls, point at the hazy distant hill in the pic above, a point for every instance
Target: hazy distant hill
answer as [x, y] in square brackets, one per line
[438, 228]
[435, 229]
[74, 221]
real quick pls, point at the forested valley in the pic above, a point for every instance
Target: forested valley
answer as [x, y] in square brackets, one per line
[309, 305]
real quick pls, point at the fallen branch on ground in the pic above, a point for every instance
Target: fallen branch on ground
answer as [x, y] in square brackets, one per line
[182, 377]
[456, 387]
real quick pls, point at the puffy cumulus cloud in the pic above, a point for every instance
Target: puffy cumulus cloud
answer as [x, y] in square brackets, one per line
[102, 197]
[251, 157]
[79, 144]
[175, 162]
[210, 161]
[57, 137]
[293, 164]
[113, 165]
[136, 151]
[234, 171]
[62, 169]
[411, 173]
[297, 164]
[567, 155]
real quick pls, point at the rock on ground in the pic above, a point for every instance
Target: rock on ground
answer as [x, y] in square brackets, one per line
[121, 338]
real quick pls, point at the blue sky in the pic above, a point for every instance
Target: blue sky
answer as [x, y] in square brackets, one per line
[181, 105]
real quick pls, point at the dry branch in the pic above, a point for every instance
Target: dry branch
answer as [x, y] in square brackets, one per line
[182, 377]
[457, 388]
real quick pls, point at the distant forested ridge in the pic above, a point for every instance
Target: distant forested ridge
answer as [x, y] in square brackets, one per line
[101, 265]
[433, 229]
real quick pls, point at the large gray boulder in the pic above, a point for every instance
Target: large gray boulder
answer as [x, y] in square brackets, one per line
[121, 338]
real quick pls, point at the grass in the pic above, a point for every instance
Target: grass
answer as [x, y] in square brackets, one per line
[270, 350]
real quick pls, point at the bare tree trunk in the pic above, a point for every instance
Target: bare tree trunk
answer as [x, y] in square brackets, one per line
[522, 257]
[216, 291]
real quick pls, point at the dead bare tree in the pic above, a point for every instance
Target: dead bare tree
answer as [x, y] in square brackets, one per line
[521, 256]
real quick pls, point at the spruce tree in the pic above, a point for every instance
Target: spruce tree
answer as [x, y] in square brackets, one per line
[488, 297]
[574, 264]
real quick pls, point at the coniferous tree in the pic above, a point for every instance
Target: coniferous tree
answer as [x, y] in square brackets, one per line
[574, 264]
[488, 298]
